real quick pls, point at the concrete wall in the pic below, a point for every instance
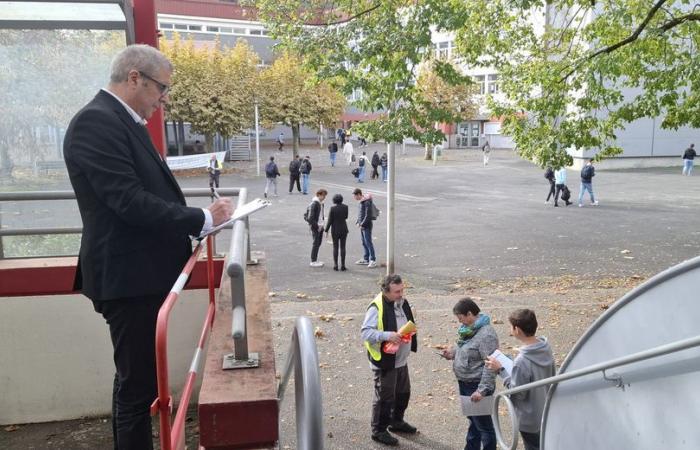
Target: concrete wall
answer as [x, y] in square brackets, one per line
[56, 356]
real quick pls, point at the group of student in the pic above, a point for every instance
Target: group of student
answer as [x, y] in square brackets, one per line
[477, 363]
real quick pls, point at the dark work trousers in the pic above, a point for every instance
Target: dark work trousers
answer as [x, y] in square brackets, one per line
[292, 179]
[551, 190]
[132, 327]
[559, 187]
[392, 390]
[318, 237]
[531, 440]
[375, 172]
[481, 432]
[339, 242]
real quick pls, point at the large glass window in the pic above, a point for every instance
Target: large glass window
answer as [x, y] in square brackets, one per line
[493, 83]
[480, 81]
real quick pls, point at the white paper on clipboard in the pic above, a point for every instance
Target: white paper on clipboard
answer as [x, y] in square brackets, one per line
[483, 407]
[239, 213]
[505, 361]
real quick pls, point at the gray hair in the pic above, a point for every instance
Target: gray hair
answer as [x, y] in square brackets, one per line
[140, 57]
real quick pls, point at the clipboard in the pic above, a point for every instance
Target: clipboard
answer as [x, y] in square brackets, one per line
[484, 407]
[239, 213]
[505, 361]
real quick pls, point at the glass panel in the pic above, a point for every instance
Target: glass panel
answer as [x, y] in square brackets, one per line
[213, 29]
[166, 26]
[97, 15]
[239, 31]
[195, 28]
[256, 32]
[179, 26]
[226, 30]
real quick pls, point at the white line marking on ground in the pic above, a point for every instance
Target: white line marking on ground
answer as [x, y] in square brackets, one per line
[410, 198]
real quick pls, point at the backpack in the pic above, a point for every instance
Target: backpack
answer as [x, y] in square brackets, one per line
[374, 211]
[549, 173]
[362, 162]
[304, 167]
[355, 172]
[270, 171]
[307, 213]
[565, 193]
[587, 172]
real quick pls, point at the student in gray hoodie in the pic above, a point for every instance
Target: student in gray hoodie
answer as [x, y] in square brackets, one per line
[475, 342]
[534, 363]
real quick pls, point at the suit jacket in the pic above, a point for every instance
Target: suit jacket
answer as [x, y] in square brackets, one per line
[135, 221]
[336, 220]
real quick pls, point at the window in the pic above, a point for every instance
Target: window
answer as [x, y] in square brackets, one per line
[166, 26]
[239, 31]
[213, 29]
[265, 32]
[195, 28]
[479, 79]
[179, 26]
[256, 32]
[443, 50]
[228, 30]
[493, 84]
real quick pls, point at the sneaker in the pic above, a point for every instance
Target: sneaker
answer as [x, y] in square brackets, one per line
[580, 205]
[383, 437]
[372, 264]
[316, 264]
[362, 262]
[595, 203]
[403, 427]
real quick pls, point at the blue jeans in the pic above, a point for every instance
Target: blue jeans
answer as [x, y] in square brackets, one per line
[481, 432]
[361, 176]
[305, 183]
[367, 244]
[333, 158]
[586, 187]
[687, 166]
[384, 171]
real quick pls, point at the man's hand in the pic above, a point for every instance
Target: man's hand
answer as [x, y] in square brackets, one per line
[221, 210]
[395, 338]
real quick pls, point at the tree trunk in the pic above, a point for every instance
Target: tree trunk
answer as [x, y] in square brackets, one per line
[295, 140]
[208, 143]
[6, 164]
[428, 153]
[180, 130]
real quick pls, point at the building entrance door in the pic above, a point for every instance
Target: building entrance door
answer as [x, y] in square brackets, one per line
[468, 134]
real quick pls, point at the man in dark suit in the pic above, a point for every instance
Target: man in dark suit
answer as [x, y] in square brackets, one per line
[136, 226]
[339, 230]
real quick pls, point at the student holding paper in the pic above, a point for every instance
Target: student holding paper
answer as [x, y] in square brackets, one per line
[476, 340]
[533, 363]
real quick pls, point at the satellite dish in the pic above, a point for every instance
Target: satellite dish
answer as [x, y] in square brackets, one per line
[647, 405]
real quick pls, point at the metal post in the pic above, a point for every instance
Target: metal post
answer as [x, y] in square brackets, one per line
[321, 134]
[390, 190]
[257, 138]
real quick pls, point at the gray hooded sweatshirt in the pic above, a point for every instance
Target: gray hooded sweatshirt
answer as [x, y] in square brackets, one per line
[534, 363]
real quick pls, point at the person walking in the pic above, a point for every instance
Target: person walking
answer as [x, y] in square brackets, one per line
[485, 149]
[560, 185]
[337, 223]
[587, 174]
[476, 341]
[280, 142]
[688, 160]
[349, 152]
[376, 161]
[386, 314]
[364, 222]
[271, 174]
[305, 170]
[333, 152]
[362, 164]
[315, 218]
[294, 173]
[214, 170]
[136, 227]
[549, 175]
[384, 162]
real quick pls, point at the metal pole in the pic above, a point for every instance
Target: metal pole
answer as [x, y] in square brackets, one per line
[257, 139]
[321, 135]
[390, 190]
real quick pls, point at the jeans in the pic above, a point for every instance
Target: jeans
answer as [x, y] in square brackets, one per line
[305, 183]
[481, 430]
[333, 154]
[367, 244]
[271, 182]
[687, 166]
[361, 176]
[531, 440]
[586, 187]
[384, 173]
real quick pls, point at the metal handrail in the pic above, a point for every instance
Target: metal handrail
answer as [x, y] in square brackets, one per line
[303, 356]
[661, 350]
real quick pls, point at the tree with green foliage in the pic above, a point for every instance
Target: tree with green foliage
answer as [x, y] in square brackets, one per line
[292, 95]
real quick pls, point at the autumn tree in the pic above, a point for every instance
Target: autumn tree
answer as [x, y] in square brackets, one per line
[292, 95]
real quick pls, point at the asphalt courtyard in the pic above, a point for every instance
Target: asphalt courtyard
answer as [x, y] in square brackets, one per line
[461, 229]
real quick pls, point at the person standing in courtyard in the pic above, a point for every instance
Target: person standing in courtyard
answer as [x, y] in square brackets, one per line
[271, 174]
[316, 218]
[386, 314]
[337, 224]
[549, 175]
[305, 170]
[294, 173]
[214, 170]
[376, 161]
[384, 162]
[364, 221]
[333, 152]
[362, 164]
[136, 227]
[560, 185]
[688, 160]
[280, 142]
[587, 174]
[485, 149]
[349, 152]
[476, 341]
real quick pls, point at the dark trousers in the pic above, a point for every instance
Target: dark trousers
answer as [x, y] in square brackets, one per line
[294, 178]
[531, 440]
[559, 188]
[318, 237]
[375, 172]
[481, 430]
[132, 327]
[551, 189]
[339, 242]
[392, 391]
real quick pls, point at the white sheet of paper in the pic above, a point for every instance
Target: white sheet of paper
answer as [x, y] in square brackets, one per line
[483, 407]
[239, 213]
[505, 361]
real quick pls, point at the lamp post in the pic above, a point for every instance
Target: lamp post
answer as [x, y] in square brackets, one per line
[257, 139]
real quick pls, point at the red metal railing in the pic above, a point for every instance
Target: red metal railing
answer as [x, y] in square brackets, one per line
[172, 434]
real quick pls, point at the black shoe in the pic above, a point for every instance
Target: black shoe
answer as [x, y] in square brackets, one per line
[403, 427]
[335, 268]
[265, 194]
[568, 203]
[383, 437]
[556, 206]
[343, 269]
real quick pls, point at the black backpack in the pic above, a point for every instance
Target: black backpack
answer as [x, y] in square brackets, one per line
[549, 173]
[362, 162]
[587, 172]
[373, 211]
[304, 167]
[307, 213]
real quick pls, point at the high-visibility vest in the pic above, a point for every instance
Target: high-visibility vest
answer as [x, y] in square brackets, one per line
[375, 350]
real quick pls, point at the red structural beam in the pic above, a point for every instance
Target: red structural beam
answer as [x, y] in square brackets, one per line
[54, 276]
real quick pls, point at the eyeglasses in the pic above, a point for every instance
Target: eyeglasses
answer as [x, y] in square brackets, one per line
[162, 87]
